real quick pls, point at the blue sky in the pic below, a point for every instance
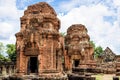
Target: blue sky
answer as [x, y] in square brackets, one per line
[101, 17]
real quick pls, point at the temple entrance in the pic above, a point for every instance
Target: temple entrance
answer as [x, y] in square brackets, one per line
[76, 63]
[33, 65]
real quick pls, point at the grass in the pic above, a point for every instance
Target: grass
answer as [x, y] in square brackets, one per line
[104, 76]
[98, 76]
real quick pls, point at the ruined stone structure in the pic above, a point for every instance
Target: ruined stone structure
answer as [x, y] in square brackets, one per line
[39, 45]
[41, 50]
[79, 51]
[7, 68]
[118, 65]
[108, 55]
[109, 62]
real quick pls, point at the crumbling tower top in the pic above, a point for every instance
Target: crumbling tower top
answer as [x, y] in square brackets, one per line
[40, 8]
[40, 15]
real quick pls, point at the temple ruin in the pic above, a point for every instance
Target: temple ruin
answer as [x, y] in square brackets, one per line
[79, 51]
[7, 68]
[39, 48]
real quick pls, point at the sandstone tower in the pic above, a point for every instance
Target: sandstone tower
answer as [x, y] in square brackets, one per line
[38, 44]
[41, 49]
[79, 51]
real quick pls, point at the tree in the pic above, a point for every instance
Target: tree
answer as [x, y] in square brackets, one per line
[11, 51]
[93, 44]
[1, 57]
[1, 48]
[62, 34]
[1, 51]
[98, 50]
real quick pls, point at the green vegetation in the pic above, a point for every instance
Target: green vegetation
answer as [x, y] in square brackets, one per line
[104, 76]
[98, 77]
[93, 44]
[98, 50]
[9, 49]
[2, 49]
[11, 52]
[63, 34]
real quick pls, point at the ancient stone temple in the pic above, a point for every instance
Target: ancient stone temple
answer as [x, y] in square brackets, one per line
[107, 61]
[107, 56]
[39, 47]
[79, 51]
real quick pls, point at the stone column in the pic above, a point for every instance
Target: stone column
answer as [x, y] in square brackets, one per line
[70, 61]
[4, 70]
[0, 70]
[52, 55]
[66, 60]
[10, 70]
[22, 63]
[39, 64]
[59, 61]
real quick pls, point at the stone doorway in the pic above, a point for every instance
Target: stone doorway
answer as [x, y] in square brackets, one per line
[76, 62]
[33, 65]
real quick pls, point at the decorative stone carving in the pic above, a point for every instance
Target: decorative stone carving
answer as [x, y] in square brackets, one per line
[39, 41]
[79, 51]
[108, 55]
[107, 61]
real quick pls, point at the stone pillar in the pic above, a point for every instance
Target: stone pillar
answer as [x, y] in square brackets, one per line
[22, 64]
[39, 63]
[0, 70]
[4, 70]
[26, 65]
[10, 69]
[59, 60]
[14, 69]
[67, 61]
[70, 64]
[53, 55]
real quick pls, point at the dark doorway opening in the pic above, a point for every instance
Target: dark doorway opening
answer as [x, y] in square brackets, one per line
[33, 65]
[76, 63]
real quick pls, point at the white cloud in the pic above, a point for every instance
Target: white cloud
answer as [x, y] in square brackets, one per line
[5, 29]
[49, 1]
[91, 13]
[9, 20]
[8, 9]
[116, 2]
[117, 5]
[91, 16]
[102, 32]
[68, 5]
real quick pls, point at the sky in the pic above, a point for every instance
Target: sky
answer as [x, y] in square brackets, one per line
[101, 18]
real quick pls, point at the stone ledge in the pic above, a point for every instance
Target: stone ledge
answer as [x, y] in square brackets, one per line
[31, 77]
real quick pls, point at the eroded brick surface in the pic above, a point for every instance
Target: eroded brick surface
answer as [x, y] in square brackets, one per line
[39, 39]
